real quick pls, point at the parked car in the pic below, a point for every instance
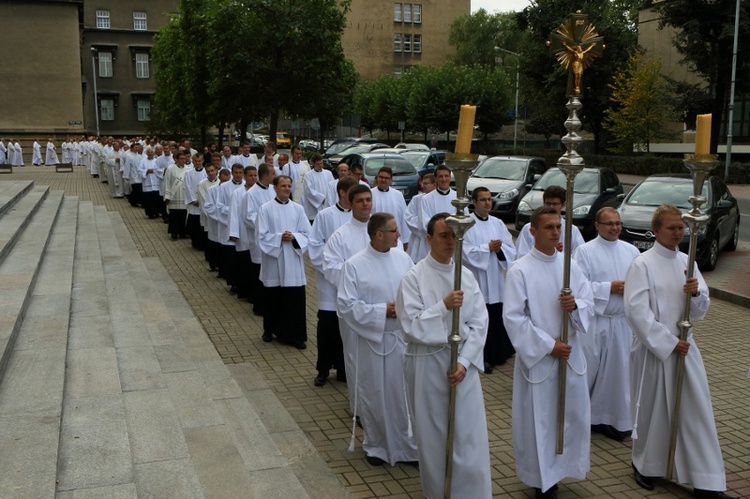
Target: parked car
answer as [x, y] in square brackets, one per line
[283, 141]
[412, 146]
[424, 161]
[333, 160]
[308, 145]
[404, 174]
[339, 145]
[721, 232]
[594, 188]
[508, 178]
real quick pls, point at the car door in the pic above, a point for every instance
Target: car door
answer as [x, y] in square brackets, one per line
[724, 209]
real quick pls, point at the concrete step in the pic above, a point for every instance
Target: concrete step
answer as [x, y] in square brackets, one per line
[11, 191]
[14, 220]
[31, 392]
[19, 271]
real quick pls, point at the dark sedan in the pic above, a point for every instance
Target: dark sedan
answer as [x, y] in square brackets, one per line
[508, 178]
[331, 161]
[594, 188]
[424, 161]
[721, 232]
[404, 174]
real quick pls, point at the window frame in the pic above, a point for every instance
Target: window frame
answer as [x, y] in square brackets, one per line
[137, 19]
[398, 42]
[103, 19]
[109, 115]
[398, 15]
[142, 68]
[407, 43]
[416, 43]
[143, 112]
[407, 8]
[103, 64]
[416, 13]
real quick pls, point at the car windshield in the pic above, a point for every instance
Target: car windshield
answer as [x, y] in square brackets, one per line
[587, 181]
[416, 158]
[501, 168]
[337, 148]
[399, 166]
[658, 191]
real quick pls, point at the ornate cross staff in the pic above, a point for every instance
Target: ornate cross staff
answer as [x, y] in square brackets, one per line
[575, 43]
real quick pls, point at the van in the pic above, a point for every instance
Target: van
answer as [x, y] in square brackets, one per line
[283, 140]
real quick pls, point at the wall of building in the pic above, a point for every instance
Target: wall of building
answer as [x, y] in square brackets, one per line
[40, 80]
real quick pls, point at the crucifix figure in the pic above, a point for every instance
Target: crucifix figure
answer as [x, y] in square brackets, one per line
[575, 44]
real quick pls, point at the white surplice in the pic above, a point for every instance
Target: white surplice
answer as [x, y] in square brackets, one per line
[36, 154]
[296, 171]
[326, 223]
[533, 319]
[417, 238]
[17, 154]
[607, 346]
[315, 184]
[426, 324]
[654, 302]
[431, 204]
[217, 208]
[369, 281]
[488, 269]
[51, 157]
[525, 241]
[237, 215]
[392, 201]
[257, 196]
[192, 178]
[3, 153]
[200, 194]
[281, 261]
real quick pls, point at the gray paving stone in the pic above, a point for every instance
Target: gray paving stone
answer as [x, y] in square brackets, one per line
[92, 372]
[123, 491]
[174, 358]
[277, 482]
[14, 221]
[42, 332]
[33, 382]
[191, 399]
[94, 445]
[219, 382]
[90, 332]
[12, 191]
[218, 463]
[55, 305]
[28, 455]
[271, 411]
[153, 426]
[172, 478]
[139, 369]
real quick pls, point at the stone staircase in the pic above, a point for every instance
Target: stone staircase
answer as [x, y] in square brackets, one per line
[109, 387]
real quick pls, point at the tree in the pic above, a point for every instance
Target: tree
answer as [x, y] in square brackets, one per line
[704, 37]
[476, 35]
[643, 101]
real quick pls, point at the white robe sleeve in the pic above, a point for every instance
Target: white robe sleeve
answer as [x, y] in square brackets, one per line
[365, 319]
[269, 242]
[316, 244]
[599, 290]
[312, 193]
[525, 241]
[301, 234]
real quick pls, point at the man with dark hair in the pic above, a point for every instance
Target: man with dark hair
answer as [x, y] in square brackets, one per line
[238, 233]
[314, 187]
[655, 292]
[296, 169]
[192, 179]
[217, 208]
[488, 251]
[424, 307]
[418, 235]
[174, 196]
[261, 193]
[330, 348]
[366, 304]
[533, 312]
[385, 199]
[200, 195]
[283, 231]
[553, 197]
[245, 158]
[437, 201]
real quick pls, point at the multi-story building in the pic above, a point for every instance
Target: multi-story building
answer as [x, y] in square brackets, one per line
[386, 37]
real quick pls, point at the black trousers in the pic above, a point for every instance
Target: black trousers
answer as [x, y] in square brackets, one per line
[213, 253]
[255, 288]
[195, 231]
[176, 220]
[135, 197]
[284, 313]
[151, 200]
[243, 274]
[228, 264]
[330, 347]
[162, 207]
[497, 347]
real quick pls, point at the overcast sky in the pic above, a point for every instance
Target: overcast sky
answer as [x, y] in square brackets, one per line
[498, 5]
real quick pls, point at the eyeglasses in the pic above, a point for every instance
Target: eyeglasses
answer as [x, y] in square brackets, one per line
[388, 230]
[611, 224]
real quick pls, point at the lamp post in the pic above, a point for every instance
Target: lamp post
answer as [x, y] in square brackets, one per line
[518, 74]
[96, 96]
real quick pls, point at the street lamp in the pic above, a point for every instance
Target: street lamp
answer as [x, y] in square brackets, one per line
[518, 73]
[96, 96]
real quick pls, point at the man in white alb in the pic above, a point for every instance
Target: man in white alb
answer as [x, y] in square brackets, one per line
[314, 187]
[437, 201]
[388, 200]
[553, 197]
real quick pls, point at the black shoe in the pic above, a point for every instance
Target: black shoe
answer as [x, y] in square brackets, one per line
[645, 482]
[173, 236]
[375, 461]
[300, 345]
[550, 494]
[341, 377]
[609, 431]
[488, 368]
[412, 463]
[233, 290]
[267, 337]
[712, 494]
[320, 379]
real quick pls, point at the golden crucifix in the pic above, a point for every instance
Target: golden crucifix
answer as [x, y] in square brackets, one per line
[575, 44]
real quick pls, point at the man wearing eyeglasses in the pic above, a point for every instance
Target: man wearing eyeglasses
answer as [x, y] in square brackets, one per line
[605, 261]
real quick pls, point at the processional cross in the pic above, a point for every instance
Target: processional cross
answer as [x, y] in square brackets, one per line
[575, 44]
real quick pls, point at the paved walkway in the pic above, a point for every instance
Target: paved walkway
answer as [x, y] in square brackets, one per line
[322, 413]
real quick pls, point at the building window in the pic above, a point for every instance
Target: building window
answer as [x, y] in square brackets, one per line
[141, 65]
[102, 19]
[139, 21]
[107, 111]
[407, 12]
[397, 42]
[407, 43]
[144, 109]
[416, 46]
[397, 13]
[105, 64]
[416, 13]
[398, 71]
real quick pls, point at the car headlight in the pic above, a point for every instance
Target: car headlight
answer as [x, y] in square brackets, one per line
[582, 210]
[508, 194]
[701, 232]
[523, 206]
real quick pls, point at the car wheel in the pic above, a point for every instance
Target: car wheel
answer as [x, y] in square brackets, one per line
[732, 244]
[713, 254]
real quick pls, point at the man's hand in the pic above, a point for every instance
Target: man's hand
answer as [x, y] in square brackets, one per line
[287, 236]
[691, 286]
[561, 350]
[195, 203]
[559, 246]
[166, 201]
[617, 287]
[568, 303]
[234, 239]
[457, 376]
[390, 310]
[495, 245]
[454, 299]
[682, 347]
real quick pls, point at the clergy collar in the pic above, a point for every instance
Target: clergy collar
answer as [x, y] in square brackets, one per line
[342, 209]
[236, 183]
[295, 162]
[246, 155]
[442, 192]
[259, 184]
[198, 169]
[280, 201]
[384, 190]
[481, 219]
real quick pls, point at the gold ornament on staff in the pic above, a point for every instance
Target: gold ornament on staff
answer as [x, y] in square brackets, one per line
[700, 165]
[575, 43]
[461, 163]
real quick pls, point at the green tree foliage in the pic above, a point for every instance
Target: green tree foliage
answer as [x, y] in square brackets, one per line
[545, 80]
[643, 100]
[704, 38]
[476, 35]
